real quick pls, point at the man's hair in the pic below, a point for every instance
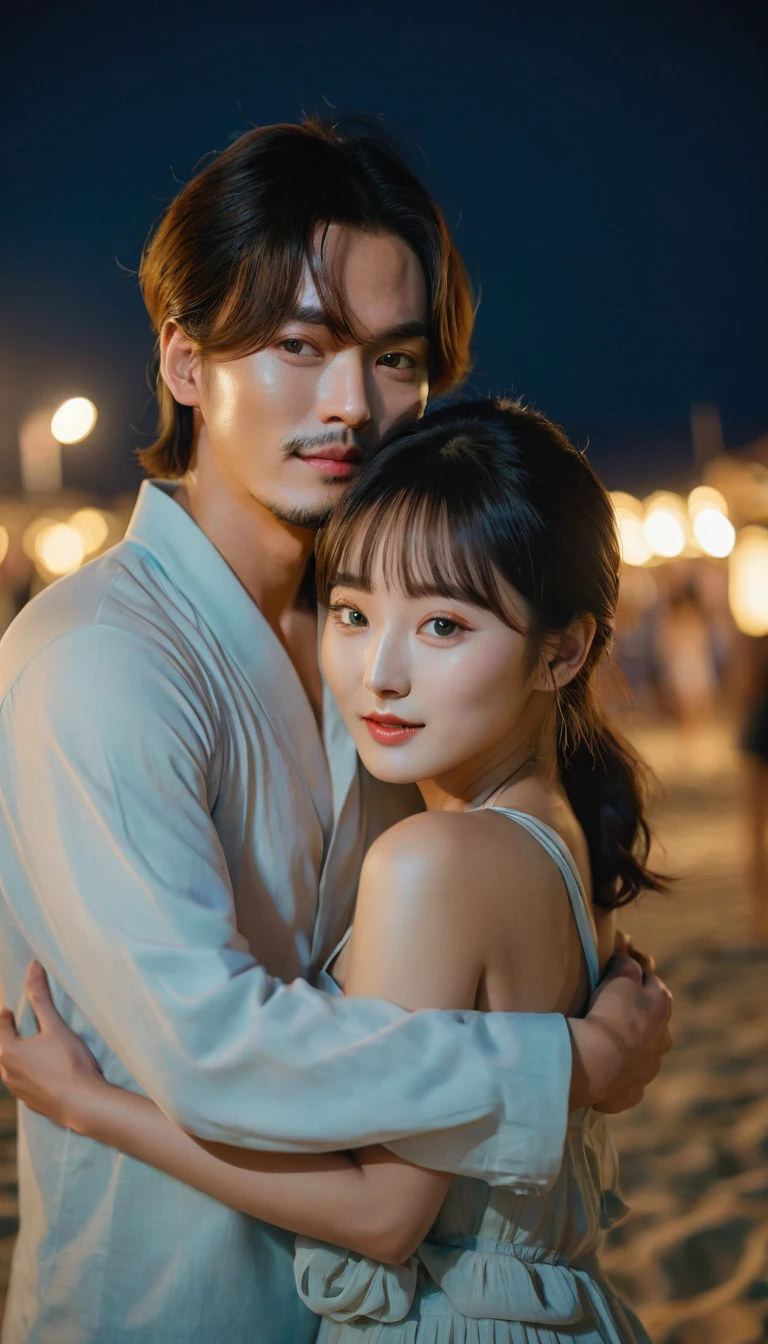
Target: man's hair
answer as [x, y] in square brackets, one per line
[226, 259]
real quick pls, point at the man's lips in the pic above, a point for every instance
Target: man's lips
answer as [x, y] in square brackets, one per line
[333, 460]
[390, 730]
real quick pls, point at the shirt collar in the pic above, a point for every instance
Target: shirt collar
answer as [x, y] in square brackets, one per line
[194, 566]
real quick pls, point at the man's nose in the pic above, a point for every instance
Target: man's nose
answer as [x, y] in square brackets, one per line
[344, 393]
[387, 675]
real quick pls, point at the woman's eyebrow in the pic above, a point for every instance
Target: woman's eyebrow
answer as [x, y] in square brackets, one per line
[345, 579]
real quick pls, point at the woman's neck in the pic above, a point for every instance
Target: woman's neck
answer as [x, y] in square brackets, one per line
[532, 756]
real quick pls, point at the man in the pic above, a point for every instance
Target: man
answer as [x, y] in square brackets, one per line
[183, 816]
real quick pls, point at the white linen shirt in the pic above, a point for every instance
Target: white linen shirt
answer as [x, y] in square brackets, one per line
[180, 848]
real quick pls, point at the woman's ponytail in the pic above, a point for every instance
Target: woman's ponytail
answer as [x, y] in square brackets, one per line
[606, 784]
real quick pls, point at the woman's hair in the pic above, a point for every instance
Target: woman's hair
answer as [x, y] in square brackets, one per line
[489, 494]
[226, 259]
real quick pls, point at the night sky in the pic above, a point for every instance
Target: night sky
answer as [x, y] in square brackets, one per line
[604, 166]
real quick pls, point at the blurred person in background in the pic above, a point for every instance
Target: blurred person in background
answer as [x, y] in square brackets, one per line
[686, 657]
[16, 577]
[755, 745]
[184, 815]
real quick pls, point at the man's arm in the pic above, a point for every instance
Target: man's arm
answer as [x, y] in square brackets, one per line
[105, 757]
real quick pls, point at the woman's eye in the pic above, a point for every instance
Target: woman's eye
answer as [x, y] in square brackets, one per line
[397, 359]
[443, 627]
[350, 617]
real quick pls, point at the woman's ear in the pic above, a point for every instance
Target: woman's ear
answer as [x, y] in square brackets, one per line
[180, 365]
[563, 655]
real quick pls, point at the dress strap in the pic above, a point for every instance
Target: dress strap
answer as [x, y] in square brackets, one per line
[562, 856]
[341, 943]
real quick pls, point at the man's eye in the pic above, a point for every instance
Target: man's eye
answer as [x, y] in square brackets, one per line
[443, 627]
[295, 346]
[398, 359]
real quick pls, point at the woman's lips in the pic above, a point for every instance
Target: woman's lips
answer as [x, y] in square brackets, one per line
[391, 732]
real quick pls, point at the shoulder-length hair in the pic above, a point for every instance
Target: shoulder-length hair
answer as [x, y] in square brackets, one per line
[226, 259]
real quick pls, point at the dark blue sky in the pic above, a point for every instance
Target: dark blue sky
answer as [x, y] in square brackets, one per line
[604, 166]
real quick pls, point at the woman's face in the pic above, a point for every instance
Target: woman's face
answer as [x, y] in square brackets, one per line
[429, 688]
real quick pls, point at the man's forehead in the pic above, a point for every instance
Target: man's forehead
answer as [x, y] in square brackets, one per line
[380, 281]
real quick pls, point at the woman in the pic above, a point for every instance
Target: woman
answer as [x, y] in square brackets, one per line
[471, 581]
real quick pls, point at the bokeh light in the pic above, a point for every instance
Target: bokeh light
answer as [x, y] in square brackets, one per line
[664, 532]
[714, 532]
[629, 518]
[4, 542]
[705, 497]
[59, 548]
[634, 547]
[624, 503]
[31, 533]
[92, 527]
[73, 420]
[748, 581]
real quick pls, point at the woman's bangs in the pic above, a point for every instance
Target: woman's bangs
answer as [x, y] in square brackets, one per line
[410, 543]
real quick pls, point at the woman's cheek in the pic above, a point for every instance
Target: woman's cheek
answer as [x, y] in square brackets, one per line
[341, 662]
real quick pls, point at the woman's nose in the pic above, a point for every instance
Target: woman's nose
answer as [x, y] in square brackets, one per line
[386, 674]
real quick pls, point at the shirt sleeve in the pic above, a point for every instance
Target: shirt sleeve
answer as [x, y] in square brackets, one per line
[108, 759]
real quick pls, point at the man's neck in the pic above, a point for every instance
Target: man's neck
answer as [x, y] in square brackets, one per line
[268, 556]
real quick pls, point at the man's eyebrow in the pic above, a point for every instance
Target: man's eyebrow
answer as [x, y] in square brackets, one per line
[411, 327]
[310, 313]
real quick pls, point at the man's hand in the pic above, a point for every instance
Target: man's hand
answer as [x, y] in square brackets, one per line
[619, 1045]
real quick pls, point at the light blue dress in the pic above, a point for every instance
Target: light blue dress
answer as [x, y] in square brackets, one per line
[496, 1267]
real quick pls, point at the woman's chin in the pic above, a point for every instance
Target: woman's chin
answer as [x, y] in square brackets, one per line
[392, 765]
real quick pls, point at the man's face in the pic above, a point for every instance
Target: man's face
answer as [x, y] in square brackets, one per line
[289, 425]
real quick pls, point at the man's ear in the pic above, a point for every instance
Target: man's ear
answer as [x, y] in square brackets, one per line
[180, 365]
[563, 655]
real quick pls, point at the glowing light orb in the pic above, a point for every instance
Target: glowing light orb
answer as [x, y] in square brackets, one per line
[664, 532]
[73, 420]
[748, 581]
[624, 503]
[59, 548]
[31, 534]
[706, 497]
[629, 518]
[714, 533]
[92, 528]
[634, 547]
[4, 542]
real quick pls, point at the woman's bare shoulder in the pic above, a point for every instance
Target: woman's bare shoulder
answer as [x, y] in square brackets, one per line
[415, 939]
[423, 843]
[440, 853]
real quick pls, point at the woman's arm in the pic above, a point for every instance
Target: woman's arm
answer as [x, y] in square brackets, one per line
[406, 947]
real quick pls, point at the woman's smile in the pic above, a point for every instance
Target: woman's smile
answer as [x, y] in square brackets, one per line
[390, 730]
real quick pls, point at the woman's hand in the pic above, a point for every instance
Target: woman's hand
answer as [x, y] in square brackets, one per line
[52, 1072]
[623, 946]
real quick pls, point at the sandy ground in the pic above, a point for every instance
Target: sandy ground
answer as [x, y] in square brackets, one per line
[693, 1254]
